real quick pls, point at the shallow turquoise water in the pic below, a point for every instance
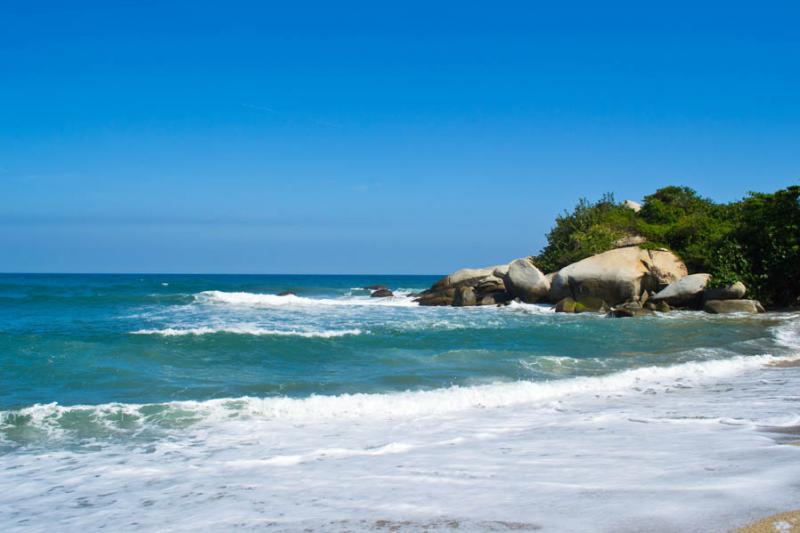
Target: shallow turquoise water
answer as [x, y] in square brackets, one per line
[147, 339]
[154, 339]
[185, 403]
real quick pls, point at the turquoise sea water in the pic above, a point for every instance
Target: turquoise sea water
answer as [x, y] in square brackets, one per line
[102, 374]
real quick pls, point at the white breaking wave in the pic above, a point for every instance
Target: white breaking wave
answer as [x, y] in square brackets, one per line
[432, 402]
[788, 334]
[273, 300]
[246, 330]
[534, 309]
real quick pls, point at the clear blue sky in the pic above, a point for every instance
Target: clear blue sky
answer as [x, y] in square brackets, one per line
[331, 137]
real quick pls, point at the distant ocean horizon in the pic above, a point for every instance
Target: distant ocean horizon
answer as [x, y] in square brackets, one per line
[285, 402]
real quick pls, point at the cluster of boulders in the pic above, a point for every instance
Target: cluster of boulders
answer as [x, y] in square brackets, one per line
[623, 282]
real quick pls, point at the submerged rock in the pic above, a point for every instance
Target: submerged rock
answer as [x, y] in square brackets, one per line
[617, 275]
[286, 293]
[375, 287]
[733, 306]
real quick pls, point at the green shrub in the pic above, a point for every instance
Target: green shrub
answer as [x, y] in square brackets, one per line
[591, 228]
[756, 240]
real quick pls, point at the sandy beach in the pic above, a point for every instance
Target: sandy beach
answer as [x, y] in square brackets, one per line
[788, 522]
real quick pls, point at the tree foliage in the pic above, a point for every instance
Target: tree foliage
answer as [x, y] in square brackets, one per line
[755, 240]
[591, 228]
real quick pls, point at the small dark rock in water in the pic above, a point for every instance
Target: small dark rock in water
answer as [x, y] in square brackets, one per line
[375, 287]
[382, 293]
[286, 293]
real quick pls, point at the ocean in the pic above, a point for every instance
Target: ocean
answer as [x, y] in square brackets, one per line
[210, 403]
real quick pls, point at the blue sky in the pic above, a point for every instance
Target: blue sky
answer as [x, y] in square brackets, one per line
[330, 137]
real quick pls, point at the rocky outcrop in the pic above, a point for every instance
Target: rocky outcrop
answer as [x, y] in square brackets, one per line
[375, 287]
[661, 307]
[630, 204]
[629, 310]
[526, 282]
[617, 276]
[445, 296]
[468, 286]
[495, 298]
[490, 284]
[464, 297]
[733, 306]
[465, 276]
[736, 291]
[687, 291]
[381, 293]
[586, 304]
[500, 271]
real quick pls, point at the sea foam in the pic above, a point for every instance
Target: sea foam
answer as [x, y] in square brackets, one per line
[274, 300]
[653, 379]
[246, 330]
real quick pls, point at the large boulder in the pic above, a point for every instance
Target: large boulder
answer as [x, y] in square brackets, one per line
[464, 297]
[495, 298]
[687, 291]
[444, 291]
[733, 306]
[731, 292]
[465, 276]
[444, 296]
[490, 284]
[500, 271]
[617, 275]
[526, 282]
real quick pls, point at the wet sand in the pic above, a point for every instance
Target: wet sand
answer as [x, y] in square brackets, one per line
[788, 522]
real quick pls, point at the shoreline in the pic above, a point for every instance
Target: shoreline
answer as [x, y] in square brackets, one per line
[786, 522]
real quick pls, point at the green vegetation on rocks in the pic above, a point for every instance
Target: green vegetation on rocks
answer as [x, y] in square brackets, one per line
[755, 240]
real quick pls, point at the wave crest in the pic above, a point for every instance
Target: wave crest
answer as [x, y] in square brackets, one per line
[246, 330]
[273, 300]
[116, 418]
